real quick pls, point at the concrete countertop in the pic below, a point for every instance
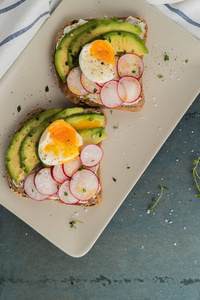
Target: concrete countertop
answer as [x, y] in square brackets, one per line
[139, 256]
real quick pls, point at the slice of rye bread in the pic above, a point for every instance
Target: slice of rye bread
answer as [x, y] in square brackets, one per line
[87, 101]
[18, 188]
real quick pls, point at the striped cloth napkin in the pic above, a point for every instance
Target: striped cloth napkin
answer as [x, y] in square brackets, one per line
[19, 22]
[21, 19]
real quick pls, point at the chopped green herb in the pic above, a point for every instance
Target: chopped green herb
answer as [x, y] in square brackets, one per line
[156, 201]
[114, 19]
[106, 86]
[133, 51]
[32, 190]
[100, 133]
[186, 61]
[81, 168]
[94, 26]
[73, 223]
[88, 30]
[133, 71]
[119, 53]
[114, 179]
[46, 88]
[196, 175]
[65, 194]
[166, 57]
[39, 173]
[111, 111]
[91, 119]
[19, 108]
[117, 126]
[95, 90]
[58, 187]
[66, 63]
[86, 96]
[128, 167]
[160, 76]
[84, 190]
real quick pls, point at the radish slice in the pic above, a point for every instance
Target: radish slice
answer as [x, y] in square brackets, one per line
[44, 182]
[65, 195]
[30, 189]
[132, 87]
[74, 82]
[89, 85]
[130, 64]
[58, 174]
[91, 155]
[109, 94]
[84, 184]
[70, 167]
[121, 91]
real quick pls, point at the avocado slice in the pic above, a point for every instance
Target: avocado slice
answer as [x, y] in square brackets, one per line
[92, 33]
[92, 136]
[13, 161]
[28, 150]
[122, 41]
[61, 55]
[85, 121]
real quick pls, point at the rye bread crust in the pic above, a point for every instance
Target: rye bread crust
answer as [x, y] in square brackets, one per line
[18, 189]
[81, 101]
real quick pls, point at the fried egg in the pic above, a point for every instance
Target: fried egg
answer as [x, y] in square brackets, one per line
[59, 143]
[96, 61]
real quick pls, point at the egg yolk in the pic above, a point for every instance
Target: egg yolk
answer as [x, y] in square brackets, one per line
[63, 138]
[102, 50]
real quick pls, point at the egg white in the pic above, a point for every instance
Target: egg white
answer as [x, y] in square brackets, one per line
[48, 157]
[94, 68]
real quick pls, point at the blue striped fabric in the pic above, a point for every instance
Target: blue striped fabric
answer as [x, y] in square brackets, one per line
[22, 31]
[14, 5]
[182, 15]
[20, 21]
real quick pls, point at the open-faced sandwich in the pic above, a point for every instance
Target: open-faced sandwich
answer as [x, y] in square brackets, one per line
[56, 154]
[99, 62]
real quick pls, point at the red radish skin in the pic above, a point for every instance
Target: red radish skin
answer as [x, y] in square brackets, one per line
[89, 85]
[74, 82]
[91, 155]
[130, 64]
[65, 195]
[132, 87]
[109, 95]
[30, 189]
[58, 174]
[100, 84]
[44, 182]
[84, 185]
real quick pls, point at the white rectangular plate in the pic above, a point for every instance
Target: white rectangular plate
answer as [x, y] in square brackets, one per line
[133, 144]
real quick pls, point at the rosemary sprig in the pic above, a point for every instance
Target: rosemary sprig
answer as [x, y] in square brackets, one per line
[196, 175]
[156, 201]
[73, 223]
